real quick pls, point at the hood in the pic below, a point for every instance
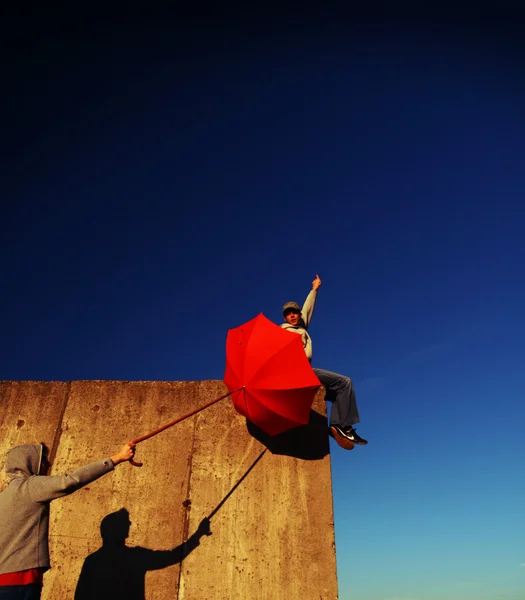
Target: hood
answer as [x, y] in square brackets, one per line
[24, 461]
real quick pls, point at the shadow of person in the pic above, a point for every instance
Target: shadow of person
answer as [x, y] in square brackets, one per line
[309, 442]
[118, 571]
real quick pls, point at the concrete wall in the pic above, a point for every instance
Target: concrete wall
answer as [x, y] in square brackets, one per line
[269, 499]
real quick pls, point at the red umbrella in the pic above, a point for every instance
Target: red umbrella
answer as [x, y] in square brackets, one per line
[277, 381]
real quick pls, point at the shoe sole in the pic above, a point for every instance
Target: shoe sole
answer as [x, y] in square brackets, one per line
[342, 441]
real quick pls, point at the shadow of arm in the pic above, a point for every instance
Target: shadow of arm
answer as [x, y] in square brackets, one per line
[160, 559]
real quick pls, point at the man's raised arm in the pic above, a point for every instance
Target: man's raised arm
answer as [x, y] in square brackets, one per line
[309, 303]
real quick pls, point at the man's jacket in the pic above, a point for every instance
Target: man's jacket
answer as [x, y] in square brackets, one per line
[301, 328]
[24, 506]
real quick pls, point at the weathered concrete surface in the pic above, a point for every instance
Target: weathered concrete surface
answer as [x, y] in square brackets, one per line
[269, 499]
[30, 412]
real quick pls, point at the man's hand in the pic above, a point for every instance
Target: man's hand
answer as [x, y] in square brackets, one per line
[127, 452]
[204, 527]
[316, 283]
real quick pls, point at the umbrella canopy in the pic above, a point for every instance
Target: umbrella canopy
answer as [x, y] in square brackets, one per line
[270, 365]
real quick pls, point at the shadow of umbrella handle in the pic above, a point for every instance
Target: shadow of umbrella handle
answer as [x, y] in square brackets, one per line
[171, 423]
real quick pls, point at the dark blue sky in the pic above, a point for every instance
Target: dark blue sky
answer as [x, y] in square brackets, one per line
[164, 182]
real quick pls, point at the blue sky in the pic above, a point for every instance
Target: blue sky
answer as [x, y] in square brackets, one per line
[165, 184]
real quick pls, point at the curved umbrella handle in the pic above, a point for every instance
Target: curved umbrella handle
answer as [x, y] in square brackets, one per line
[171, 423]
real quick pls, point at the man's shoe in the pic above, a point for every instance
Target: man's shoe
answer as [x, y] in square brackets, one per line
[341, 437]
[351, 433]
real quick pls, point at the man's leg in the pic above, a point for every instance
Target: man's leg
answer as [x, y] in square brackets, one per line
[344, 413]
[21, 592]
[33, 592]
[340, 391]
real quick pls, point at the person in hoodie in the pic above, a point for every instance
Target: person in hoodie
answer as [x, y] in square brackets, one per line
[339, 388]
[24, 514]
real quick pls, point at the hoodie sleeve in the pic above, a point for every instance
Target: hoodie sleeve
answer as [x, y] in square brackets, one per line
[308, 308]
[45, 489]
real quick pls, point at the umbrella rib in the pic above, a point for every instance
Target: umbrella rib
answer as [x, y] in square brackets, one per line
[248, 411]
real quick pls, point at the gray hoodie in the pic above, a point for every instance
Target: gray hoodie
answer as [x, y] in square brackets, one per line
[24, 506]
[306, 316]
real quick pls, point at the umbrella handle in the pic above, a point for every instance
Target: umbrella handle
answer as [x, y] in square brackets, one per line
[171, 423]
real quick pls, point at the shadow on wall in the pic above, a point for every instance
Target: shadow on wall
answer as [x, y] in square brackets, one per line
[309, 442]
[118, 571]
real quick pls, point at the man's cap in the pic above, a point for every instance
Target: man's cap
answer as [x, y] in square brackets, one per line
[293, 305]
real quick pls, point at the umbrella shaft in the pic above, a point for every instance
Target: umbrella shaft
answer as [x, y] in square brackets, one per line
[190, 414]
